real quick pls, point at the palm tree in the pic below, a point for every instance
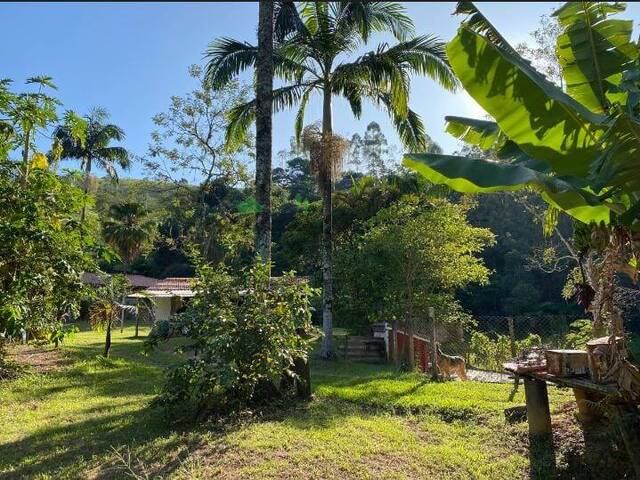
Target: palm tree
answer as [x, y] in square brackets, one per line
[107, 308]
[311, 58]
[94, 147]
[264, 87]
[128, 229]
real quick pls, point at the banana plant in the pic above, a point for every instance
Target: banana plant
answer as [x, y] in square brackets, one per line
[577, 147]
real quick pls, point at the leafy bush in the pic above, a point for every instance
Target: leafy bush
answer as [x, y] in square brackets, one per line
[247, 334]
[581, 331]
[490, 354]
[60, 334]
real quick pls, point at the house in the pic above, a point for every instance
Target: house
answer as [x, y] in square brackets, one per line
[169, 295]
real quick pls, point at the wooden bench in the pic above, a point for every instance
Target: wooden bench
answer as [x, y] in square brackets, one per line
[537, 397]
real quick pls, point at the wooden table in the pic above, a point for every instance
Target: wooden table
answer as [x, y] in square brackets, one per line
[537, 397]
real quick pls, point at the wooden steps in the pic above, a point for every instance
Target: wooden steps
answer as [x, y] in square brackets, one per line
[361, 349]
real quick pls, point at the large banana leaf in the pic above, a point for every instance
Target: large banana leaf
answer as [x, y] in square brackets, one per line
[471, 175]
[487, 136]
[540, 118]
[594, 51]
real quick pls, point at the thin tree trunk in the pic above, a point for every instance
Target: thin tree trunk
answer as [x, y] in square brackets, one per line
[264, 92]
[326, 188]
[87, 175]
[107, 342]
[25, 154]
[137, 325]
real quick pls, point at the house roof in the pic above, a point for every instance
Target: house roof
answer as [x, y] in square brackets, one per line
[136, 281]
[171, 287]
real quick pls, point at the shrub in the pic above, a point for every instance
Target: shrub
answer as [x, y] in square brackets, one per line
[247, 334]
[490, 354]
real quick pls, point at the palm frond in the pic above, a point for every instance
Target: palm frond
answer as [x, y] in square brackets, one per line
[287, 20]
[478, 23]
[117, 155]
[299, 124]
[242, 116]
[371, 17]
[226, 59]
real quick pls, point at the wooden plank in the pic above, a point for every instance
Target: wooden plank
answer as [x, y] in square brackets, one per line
[575, 382]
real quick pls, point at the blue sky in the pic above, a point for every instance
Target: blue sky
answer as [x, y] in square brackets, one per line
[131, 57]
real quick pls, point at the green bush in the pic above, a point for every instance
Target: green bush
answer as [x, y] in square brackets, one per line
[247, 333]
[488, 353]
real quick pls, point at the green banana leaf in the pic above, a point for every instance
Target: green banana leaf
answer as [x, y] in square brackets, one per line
[540, 118]
[471, 175]
[594, 51]
[487, 136]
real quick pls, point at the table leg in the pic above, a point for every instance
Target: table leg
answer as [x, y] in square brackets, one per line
[541, 452]
[538, 415]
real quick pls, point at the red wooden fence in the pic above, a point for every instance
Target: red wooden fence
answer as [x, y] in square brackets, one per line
[421, 346]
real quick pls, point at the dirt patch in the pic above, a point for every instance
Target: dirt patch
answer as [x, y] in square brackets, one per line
[36, 359]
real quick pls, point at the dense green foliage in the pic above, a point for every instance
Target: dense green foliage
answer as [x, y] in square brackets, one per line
[410, 255]
[246, 333]
[43, 248]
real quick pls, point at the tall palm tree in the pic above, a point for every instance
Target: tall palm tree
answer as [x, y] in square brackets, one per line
[264, 87]
[128, 229]
[94, 148]
[312, 58]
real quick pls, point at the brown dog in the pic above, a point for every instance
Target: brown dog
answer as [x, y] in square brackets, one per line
[448, 364]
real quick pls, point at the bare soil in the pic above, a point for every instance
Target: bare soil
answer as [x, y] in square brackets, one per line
[36, 358]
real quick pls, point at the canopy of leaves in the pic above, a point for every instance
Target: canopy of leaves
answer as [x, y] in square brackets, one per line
[577, 148]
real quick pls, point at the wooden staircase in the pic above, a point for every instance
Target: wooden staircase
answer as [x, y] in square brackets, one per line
[361, 349]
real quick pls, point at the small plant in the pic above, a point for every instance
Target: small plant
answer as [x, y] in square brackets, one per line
[109, 306]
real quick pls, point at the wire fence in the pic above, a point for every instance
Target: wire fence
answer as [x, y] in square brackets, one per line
[494, 340]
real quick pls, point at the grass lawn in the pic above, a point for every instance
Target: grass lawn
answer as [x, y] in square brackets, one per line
[365, 422]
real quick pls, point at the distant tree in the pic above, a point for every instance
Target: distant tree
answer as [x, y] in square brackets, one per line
[128, 229]
[311, 60]
[94, 147]
[414, 254]
[542, 53]
[188, 153]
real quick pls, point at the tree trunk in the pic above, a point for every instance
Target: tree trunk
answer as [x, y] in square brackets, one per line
[264, 92]
[107, 342]
[87, 175]
[326, 189]
[137, 326]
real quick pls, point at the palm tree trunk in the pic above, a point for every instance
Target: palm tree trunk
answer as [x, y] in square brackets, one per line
[326, 188]
[264, 89]
[87, 174]
[107, 342]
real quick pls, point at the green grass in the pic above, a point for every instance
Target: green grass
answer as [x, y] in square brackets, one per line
[365, 422]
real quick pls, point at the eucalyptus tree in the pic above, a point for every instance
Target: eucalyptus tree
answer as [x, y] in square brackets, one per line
[317, 54]
[94, 148]
[577, 147]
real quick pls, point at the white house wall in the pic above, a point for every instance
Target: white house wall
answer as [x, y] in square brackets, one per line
[163, 308]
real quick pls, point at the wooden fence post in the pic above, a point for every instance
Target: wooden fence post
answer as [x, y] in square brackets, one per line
[434, 348]
[512, 336]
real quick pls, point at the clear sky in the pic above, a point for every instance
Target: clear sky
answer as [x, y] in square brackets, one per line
[131, 57]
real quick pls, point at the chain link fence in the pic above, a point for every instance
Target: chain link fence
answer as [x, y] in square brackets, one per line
[494, 340]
